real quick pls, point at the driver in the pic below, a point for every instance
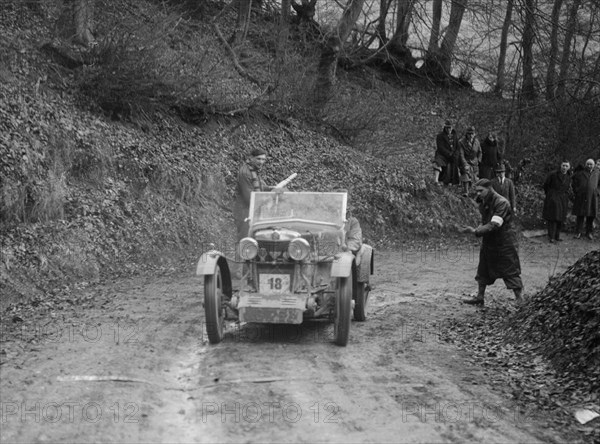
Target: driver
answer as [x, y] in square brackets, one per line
[248, 180]
[353, 231]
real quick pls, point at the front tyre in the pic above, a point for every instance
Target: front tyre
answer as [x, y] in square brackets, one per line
[343, 311]
[213, 306]
[360, 304]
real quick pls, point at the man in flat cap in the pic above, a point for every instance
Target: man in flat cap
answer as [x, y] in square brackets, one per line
[248, 180]
[499, 255]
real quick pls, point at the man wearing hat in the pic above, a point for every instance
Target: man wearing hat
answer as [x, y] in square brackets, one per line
[444, 162]
[556, 200]
[504, 186]
[498, 256]
[469, 155]
[248, 180]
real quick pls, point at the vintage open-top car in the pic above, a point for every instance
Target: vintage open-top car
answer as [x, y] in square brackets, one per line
[296, 266]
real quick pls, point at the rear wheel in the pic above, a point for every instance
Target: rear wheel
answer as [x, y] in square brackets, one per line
[343, 311]
[213, 306]
[362, 299]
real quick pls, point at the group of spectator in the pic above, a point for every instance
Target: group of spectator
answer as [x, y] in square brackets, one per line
[463, 161]
[466, 162]
[582, 187]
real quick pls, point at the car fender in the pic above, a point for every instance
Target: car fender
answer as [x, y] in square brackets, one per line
[207, 265]
[342, 265]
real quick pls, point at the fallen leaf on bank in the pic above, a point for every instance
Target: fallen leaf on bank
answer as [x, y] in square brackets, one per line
[584, 416]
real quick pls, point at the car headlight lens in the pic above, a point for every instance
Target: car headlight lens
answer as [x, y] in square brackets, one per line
[248, 248]
[299, 249]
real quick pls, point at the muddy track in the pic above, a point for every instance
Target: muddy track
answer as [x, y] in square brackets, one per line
[133, 364]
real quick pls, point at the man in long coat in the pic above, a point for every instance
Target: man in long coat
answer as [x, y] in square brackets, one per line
[499, 253]
[504, 186]
[444, 162]
[556, 202]
[490, 156]
[585, 187]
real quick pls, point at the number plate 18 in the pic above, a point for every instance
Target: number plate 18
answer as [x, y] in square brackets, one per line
[274, 283]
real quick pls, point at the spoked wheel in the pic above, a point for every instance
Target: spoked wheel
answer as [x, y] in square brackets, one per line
[213, 306]
[362, 299]
[343, 311]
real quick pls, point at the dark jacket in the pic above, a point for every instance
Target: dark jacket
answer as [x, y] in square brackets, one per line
[498, 257]
[585, 187]
[505, 189]
[445, 148]
[248, 180]
[490, 157]
[556, 202]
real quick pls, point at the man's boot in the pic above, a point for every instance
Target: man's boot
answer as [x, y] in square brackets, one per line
[518, 294]
[477, 300]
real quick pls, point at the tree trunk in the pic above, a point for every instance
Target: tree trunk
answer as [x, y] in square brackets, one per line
[330, 51]
[403, 17]
[434, 37]
[528, 86]
[76, 21]
[384, 6]
[284, 27]
[244, 7]
[500, 76]
[566, 55]
[398, 43]
[552, 56]
[447, 49]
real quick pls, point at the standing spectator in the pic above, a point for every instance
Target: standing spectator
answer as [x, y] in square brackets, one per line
[490, 156]
[585, 187]
[469, 152]
[504, 186]
[556, 202]
[499, 253]
[444, 162]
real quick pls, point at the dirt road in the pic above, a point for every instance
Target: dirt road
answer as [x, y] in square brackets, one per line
[128, 361]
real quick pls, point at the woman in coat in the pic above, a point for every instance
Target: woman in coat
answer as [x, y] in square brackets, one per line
[469, 155]
[556, 203]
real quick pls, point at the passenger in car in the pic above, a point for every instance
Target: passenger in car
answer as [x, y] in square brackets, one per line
[353, 231]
